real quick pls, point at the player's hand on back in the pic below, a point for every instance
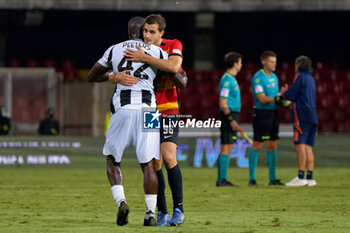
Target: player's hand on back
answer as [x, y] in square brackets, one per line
[135, 55]
[123, 78]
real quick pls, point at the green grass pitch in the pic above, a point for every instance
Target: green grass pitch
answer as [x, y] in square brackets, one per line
[77, 197]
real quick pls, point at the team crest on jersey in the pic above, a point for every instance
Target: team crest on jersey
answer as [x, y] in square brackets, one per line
[151, 119]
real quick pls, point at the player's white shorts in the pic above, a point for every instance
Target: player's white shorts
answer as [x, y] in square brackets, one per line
[125, 127]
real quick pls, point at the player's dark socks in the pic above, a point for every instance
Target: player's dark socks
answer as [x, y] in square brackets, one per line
[161, 201]
[175, 183]
[309, 175]
[301, 174]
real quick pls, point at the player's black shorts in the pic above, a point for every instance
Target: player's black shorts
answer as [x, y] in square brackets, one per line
[265, 124]
[169, 129]
[227, 135]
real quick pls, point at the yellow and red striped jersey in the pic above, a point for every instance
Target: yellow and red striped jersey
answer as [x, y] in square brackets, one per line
[168, 94]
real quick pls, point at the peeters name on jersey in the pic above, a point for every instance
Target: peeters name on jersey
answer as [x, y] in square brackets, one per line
[133, 45]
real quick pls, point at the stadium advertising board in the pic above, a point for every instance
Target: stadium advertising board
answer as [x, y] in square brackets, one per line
[34, 152]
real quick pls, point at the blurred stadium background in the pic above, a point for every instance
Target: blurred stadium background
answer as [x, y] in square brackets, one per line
[46, 50]
[69, 36]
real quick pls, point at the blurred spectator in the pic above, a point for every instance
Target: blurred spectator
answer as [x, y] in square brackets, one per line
[49, 126]
[5, 123]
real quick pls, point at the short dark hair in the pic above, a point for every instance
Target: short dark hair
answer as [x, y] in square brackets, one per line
[303, 62]
[266, 54]
[156, 19]
[231, 58]
[135, 27]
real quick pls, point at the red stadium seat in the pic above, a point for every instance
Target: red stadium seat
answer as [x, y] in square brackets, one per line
[336, 76]
[32, 63]
[327, 127]
[348, 112]
[249, 75]
[347, 76]
[197, 76]
[321, 88]
[49, 63]
[323, 114]
[346, 87]
[210, 101]
[247, 99]
[335, 65]
[321, 66]
[343, 101]
[341, 126]
[70, 71]
[284, 78]
[330, 88]
[339, 115]
[317, 76]
[338, 88]
[347, 125]
[287, 66]
[251, 66]
[205, 88]
[14, 63]
[209, 113]
[215, 76]
[190, 101]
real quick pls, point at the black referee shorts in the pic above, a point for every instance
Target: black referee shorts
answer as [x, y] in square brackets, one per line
[265, 124]
[227, 135]
[169, 132]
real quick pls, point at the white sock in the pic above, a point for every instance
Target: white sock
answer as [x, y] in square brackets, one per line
[118, 194]
[151, 202]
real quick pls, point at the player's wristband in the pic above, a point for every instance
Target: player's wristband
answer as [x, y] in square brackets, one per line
[230, 117]
[278, 98]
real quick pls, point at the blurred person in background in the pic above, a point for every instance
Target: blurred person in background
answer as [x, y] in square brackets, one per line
[5, 122]
[49, 126]
[265, 119]
[303, 96]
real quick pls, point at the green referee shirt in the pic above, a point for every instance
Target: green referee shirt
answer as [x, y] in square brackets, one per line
[229, 90]
[264, 84]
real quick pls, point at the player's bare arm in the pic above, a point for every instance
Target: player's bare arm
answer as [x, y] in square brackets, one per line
[123, 78]
[179, 79]
[172, 65]
[99, 73]
[266, 99]
[233, 123]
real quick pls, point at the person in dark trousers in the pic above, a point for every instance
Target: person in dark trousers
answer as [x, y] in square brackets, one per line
[265, 122]
[49, 126]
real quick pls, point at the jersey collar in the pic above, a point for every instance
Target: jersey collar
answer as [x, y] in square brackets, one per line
[228, 74]
[262, 70]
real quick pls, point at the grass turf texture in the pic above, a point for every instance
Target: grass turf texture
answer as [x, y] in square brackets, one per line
[77, 197]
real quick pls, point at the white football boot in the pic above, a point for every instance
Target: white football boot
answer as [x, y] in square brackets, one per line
[311, 183]
[297, 182]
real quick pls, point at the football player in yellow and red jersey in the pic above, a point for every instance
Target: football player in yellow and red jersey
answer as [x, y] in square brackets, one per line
[167, 96]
